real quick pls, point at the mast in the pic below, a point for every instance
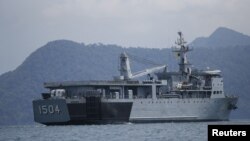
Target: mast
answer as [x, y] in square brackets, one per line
[181, 49]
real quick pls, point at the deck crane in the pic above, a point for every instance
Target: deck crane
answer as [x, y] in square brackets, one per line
[125, 70]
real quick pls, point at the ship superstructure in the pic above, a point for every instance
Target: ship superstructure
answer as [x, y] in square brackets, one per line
[184, 95]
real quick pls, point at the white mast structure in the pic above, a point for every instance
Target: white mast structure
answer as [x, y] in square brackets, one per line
[181, 49]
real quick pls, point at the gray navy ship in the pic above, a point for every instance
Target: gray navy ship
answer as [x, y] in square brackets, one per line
[183, 95]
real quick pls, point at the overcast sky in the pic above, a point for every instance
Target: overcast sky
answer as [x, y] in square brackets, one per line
[26, 25]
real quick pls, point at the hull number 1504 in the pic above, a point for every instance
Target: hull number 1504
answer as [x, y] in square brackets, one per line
[49, 109]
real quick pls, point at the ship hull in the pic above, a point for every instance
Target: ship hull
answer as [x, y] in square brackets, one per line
[193, 109]
[92, 111]
[97, 111]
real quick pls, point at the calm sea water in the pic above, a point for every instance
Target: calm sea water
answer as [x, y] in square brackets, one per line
[190, 131]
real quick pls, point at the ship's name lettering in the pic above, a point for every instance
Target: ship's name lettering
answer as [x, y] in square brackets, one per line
[49, 109]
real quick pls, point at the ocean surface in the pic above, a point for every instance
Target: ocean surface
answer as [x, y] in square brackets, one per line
[183, 131]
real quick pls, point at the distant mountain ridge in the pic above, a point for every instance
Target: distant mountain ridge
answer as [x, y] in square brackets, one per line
[222, 37]
[65, 60]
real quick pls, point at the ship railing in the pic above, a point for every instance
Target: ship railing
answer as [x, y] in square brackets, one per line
[91, 82]
[207, 87]
[169, 96]
[152, 81]
[193, 93]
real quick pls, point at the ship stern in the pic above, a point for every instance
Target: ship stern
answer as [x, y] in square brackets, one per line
[50, 112]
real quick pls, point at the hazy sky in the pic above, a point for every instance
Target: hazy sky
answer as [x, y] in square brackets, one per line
[26, 25]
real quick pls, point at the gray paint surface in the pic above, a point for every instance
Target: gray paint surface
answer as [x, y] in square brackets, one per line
[53, 110]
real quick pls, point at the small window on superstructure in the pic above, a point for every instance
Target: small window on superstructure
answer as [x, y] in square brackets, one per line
[214, 92]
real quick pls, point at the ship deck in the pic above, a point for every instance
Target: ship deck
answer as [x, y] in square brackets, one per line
[101, 83]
